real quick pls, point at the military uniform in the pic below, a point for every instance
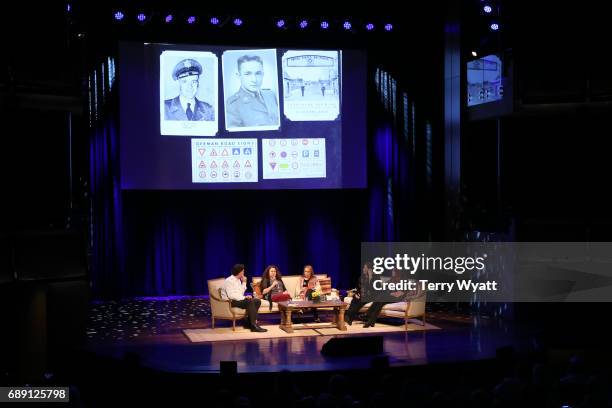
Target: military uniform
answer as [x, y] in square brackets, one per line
[247, 109]
[173, 110]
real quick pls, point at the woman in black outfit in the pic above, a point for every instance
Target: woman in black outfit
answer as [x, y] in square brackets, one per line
[272, 286]
[357, 303]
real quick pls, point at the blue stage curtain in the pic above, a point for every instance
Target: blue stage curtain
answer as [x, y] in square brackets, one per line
[105, 216]
[175, 241]
[381, 198]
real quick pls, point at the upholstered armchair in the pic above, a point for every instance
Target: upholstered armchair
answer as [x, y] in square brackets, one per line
[220, 308]
[415, 308]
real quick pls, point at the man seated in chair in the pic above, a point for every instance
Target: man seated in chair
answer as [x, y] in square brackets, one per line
[233, 289]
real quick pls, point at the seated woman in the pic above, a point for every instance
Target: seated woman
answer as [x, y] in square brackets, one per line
[307, 283]
[375, 308]
[272, 286]
[357, 303]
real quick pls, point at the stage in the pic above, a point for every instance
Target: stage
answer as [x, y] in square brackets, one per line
[150, 330]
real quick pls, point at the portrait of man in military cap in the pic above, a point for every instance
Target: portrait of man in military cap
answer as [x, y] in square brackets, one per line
[188, 93]
[186, 106]
[254, 105]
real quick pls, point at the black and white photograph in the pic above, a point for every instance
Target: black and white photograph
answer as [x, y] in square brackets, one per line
[311, 84]
[188, 82]
[250, 84]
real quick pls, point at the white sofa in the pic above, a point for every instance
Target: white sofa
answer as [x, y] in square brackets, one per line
[402, 310]
[221, 309]
[291, 283]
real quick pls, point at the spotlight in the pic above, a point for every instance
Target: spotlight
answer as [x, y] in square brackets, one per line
[369, 26]
[474, 54]
[214, 21]
[494, 26]
[280, 23]
[388, 27]
[303, 23]
[191, 20]
[119, 15]
[487, 9]
[324, 25]
[141, 17]
[169, 18]
[68, 8]
[347, 25]
[238, 22]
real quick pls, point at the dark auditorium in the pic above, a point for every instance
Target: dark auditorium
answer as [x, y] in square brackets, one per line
[313, 204]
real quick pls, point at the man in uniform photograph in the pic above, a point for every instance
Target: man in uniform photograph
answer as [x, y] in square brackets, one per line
[251, 105]
[186, 106]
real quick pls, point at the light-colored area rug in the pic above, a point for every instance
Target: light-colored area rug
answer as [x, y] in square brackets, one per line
[226, 333]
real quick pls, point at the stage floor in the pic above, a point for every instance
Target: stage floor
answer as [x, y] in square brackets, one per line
[152, 329]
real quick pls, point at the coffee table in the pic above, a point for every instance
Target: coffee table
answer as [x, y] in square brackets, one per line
[287, 308]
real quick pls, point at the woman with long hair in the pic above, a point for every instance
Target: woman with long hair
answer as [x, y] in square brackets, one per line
[273, 288]
[367, 275]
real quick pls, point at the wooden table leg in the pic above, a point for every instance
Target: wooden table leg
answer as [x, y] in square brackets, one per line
[286, 324]
[341, 324]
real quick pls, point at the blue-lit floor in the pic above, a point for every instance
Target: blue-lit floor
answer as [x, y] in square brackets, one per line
[152, 330]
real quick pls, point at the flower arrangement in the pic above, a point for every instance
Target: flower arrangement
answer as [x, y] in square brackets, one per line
[315, 296]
